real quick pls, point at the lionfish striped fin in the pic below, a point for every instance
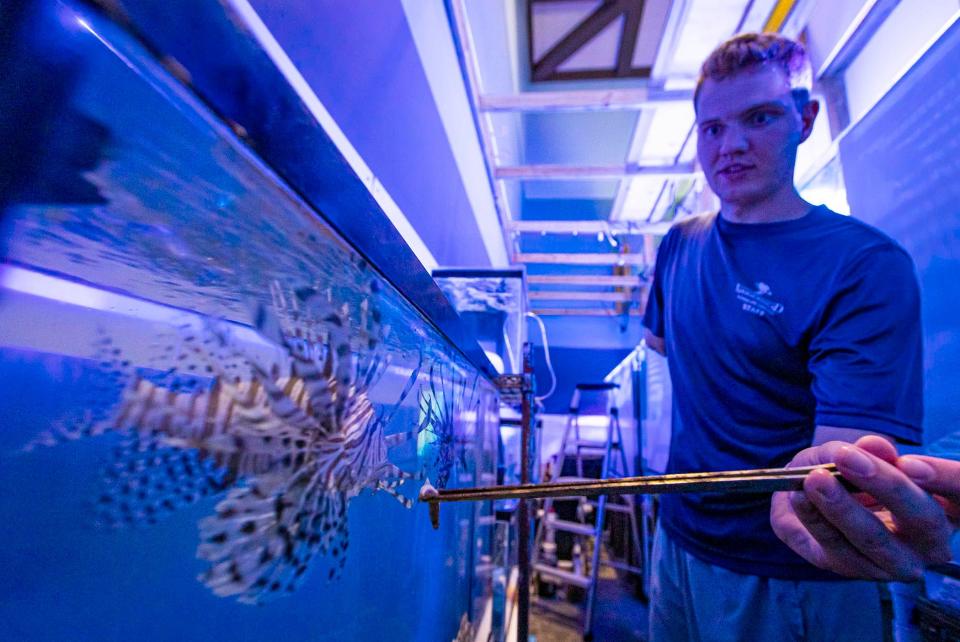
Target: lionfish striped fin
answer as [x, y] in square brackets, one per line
[262, 539]
[398, 438]
[386, 417]
[282, 407]
[390, 488]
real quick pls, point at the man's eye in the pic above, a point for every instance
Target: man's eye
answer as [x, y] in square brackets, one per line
[710, 130]
[760, 118]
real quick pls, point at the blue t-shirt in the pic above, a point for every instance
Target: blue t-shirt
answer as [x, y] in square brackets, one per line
[770, 330]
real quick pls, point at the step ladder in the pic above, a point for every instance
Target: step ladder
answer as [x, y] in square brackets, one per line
[589, 399]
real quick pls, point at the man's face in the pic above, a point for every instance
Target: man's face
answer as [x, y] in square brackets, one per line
[748, 130]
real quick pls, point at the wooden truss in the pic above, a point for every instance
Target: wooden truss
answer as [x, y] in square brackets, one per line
[547, 68]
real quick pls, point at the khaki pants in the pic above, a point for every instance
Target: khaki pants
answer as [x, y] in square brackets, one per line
[693, 601]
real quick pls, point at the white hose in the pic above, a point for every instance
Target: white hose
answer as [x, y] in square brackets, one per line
[546, 353]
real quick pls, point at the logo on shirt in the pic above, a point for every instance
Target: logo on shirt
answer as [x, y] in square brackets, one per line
[759, 301]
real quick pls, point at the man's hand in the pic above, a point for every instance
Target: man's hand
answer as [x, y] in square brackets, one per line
[901, 522]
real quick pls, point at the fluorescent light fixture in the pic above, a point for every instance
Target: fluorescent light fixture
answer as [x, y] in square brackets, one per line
[641, 196]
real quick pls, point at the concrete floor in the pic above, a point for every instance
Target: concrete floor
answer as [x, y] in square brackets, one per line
[619, 616]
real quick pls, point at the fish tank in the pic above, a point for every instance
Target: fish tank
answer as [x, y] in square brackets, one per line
[223, 375]
[492, 302]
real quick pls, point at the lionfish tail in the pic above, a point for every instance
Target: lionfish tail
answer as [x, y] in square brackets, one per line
[149, 480]
[261, 541]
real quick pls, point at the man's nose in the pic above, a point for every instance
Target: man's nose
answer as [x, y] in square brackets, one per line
[733, 140]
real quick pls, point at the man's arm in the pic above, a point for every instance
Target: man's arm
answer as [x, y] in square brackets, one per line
[654, 322]
[902, 522]
[823, 434]
[655, 343]
[865, 358]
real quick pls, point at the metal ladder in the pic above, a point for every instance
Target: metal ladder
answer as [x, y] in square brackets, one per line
[612, 465]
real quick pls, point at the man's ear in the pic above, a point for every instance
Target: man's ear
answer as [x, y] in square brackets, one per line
[808, 115]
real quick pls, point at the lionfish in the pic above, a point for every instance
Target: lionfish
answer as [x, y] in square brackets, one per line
[293, 442]
[442, 402]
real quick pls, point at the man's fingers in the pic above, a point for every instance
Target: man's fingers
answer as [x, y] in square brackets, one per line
[921, 521]
[861, 528]
[951, 509]
[935, 475]
[825, 453]
[939, 476]
[879, 448]
[833, 529]
[833, 552]
[791, 531]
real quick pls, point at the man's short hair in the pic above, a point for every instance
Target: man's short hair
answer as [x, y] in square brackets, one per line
[750, 50]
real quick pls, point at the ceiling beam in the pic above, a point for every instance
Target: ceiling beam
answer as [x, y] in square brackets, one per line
[584, 100]
[573, 172]
[582, 312]
[628, 38]
[580, 35]
[589, 227]
[586, 280]
[570, 258]
[552, 295]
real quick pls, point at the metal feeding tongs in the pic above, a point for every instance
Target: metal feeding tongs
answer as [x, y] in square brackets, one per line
[766, 480]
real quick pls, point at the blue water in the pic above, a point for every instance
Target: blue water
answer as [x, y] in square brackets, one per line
[65, 578]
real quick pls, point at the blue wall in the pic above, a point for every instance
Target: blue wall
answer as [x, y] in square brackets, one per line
[360, 59]
[902, 175]
[573, 366]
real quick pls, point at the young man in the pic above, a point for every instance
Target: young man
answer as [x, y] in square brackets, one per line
[786, 326]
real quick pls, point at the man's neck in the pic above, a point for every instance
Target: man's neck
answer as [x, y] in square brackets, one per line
[783, 206]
